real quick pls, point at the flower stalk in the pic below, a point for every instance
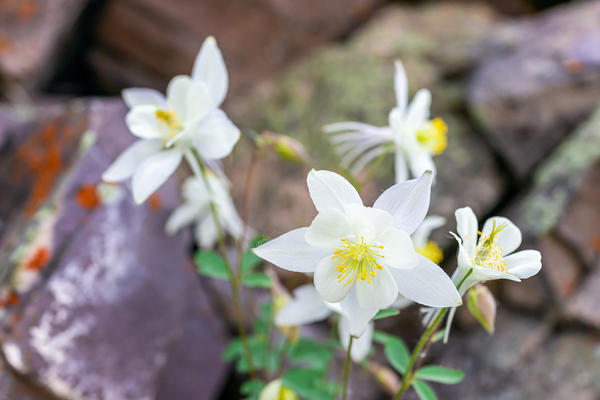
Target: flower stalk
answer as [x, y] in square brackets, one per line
[234, 278]
[347, 369]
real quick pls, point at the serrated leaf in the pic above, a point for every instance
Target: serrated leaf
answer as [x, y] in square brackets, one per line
[437, 373]
[257, 280]
[424, 391]
[386, 313]
[211, 264]
[308, 383]
[311, 352]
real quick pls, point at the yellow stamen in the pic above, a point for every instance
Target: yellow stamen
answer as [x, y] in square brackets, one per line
[488, 254]
[432, 135]
[170, 124]
[356, 260]
[432, 251]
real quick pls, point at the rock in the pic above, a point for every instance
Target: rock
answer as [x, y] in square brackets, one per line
[32, 34]
[537, 79]
[561, 269]
[530, 294]
[583, 306]
[354, 81]
[102, 292]
[147, 42]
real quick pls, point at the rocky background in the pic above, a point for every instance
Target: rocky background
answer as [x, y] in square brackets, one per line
[103, 305]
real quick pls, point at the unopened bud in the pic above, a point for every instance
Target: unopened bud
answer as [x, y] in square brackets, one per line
[280, 298]
[286, 147]
[482, 306]
[387, 378]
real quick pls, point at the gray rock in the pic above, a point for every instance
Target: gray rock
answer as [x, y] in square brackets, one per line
[537, 78]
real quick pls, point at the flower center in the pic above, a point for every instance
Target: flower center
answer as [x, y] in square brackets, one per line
[356, 260]
[488, 254]
[170, 124]
[432, 251]
[432, 135]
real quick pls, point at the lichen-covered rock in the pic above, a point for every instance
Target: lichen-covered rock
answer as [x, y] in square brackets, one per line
[31, 33]
[538, 77]
[101, 303]
[354, 81]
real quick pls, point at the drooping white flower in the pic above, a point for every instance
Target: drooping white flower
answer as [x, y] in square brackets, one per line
[307, 307]
[489, 254]
[196, 209]
[169, 127]
[362, 257]
[421, 241]
[413, 137]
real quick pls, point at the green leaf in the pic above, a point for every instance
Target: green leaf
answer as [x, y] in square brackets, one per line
[424, 391]
[395, 350]
[251, 389]
[311, 352]
[386, 313]
[233, 350]
[249, 261]
[436, 373]
[257, 280]
[211, 264]
[308, 383]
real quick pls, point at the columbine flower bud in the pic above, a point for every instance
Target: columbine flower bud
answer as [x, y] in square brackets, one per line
[276, 391]
[281, 297]
[482, 305]
[286, 147]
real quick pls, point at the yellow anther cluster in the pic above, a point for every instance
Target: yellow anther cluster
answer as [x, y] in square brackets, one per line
[488, 254]
[356, 260]
[432, 135]
[432, 251]
[170, 123]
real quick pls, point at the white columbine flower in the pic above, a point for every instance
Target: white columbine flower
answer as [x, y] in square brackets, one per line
[363, 256]
[168, 128]
[196, 208]
[489, 253]
[411, 134]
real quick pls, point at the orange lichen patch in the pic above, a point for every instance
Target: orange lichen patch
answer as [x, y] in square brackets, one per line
[596, 244]
[155, 202]
[87, 197]
[11, 299]
[5, 45]
[39, 259]
[26, 10]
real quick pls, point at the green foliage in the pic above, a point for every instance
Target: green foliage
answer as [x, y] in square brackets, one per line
[395, 350]
[309, 383]
[257, 280]
[315, 354]
[424, 391]
[251, 389]
[249, 259]
[211, 264]
[386, 313]
[436, 373]
[439, 335]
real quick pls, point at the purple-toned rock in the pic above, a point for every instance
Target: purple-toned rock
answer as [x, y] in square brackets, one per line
[538, 77]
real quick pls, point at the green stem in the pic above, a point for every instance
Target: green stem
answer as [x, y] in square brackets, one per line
[233, 278]
[347, 369]
[409, 374]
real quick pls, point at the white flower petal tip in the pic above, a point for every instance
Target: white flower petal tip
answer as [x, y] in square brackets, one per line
[330, 190]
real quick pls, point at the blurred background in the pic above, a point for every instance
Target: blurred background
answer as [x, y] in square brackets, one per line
[98, 303]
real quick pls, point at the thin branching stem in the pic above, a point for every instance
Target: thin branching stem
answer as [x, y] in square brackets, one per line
[347, 369]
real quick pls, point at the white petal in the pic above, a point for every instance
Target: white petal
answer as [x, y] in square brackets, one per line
[381, 293]
[142, 96]
[328, 227]
[358, 316]
[142, 122]
[400, 85]
[398, 250]
[420, 161]
[418, 111]
[401, 302]
[177, 92]
[206, 233]
[483, 274]
[210, 68]
[348, 126]
[430, 223]
[524, 264]
[466, 226]
[508, 239]
[216, 136]
[427, 284]
[400, 169]
[306, 307]
[197, 102]
[181, 216]
[330, 190]
[290, 251]
[366, 158]
[327, 283]
[130, 159]
[449, 320]
[153, 172]
[408, 202]
[367, 223]
[231, 220]
[360, 345]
